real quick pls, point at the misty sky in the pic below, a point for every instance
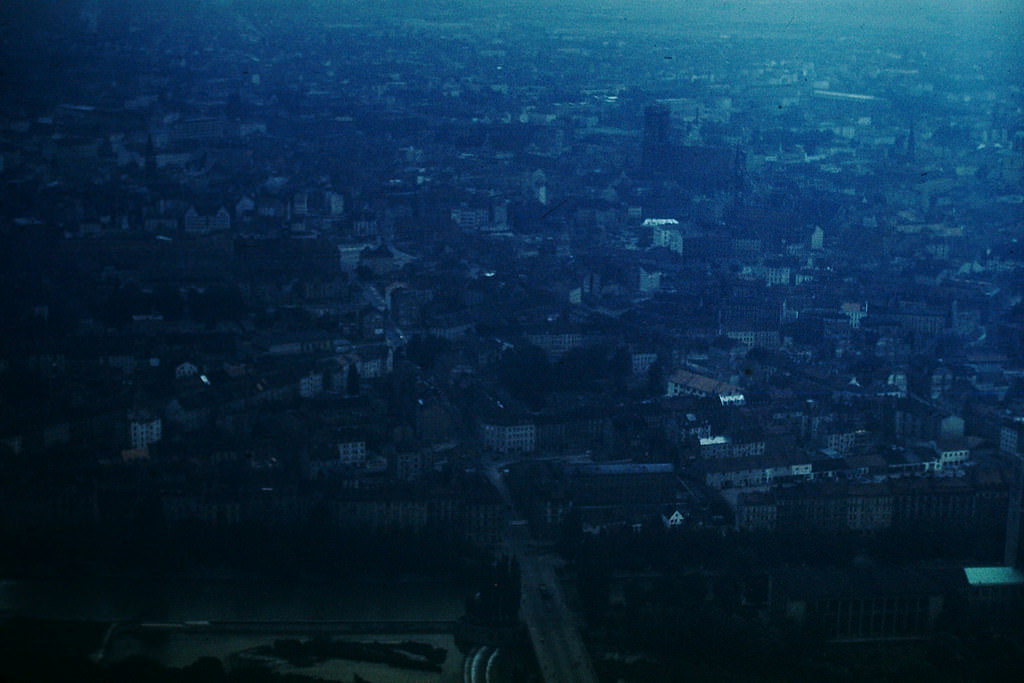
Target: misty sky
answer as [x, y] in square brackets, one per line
[955, 16]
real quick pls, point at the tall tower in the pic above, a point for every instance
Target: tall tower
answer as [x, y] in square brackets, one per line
[657, 127]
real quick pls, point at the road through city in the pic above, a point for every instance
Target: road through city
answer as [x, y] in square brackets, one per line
[556, 638]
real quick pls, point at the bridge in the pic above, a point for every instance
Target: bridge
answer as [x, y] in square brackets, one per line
[554, 633]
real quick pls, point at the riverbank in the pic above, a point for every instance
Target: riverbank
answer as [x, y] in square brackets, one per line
[71, 618]
[44, 650]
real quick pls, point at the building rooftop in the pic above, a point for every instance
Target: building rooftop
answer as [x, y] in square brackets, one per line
[993, 576]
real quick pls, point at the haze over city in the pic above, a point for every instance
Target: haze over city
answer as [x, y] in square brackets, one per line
[537, 341]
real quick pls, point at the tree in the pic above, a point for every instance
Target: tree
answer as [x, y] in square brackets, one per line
[620, 367]
[122, 303]
[204, 670]
[580, 368]
[352, 380]
[526, 374]
[594, 585]
[169, 302]
[424, 350]
[656, 379]
[216, 304]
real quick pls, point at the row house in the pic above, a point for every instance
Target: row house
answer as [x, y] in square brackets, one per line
[582, 429]
[757, 511]
[725, 447]
[451, 326]
[509, 437]
[484, 522]
[938, 502]
[352, 452]
[846, 442]
[1011, 437]
[556, 344]
[180, 507]
[857, 605]
[373, 360]
[753, 337]
[641, 362]
[867, 507]
[827, 507]
[950, 453]
[196, 223]
[294, 343]
[394, 512]
[757, 471]
[412, 465]
[470, 217]
[618, 483]
[144, 429]
[686, 383]
[666, 236]
[311, 384]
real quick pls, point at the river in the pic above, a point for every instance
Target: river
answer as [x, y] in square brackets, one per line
[181, 600]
